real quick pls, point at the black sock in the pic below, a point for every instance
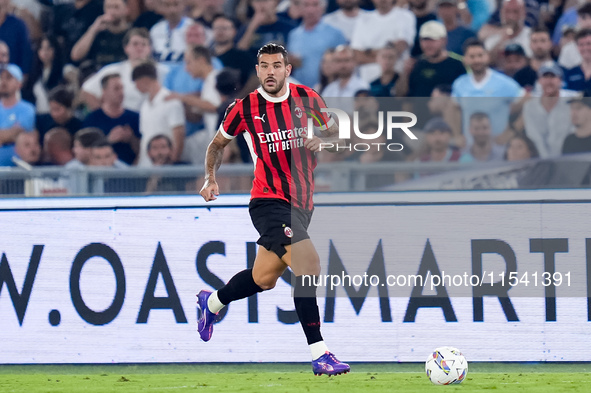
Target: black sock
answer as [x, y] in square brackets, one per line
[304, 298]
[240, 286]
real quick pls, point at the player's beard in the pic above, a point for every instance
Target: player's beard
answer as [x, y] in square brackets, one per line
[278, 86]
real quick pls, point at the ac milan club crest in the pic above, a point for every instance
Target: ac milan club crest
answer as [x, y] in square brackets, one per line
[288, 232]
[298, 112]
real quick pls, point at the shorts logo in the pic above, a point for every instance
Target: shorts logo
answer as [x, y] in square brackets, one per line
[298, 112]
[288, 232]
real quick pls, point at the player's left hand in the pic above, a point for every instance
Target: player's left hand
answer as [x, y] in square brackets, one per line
[313, 143]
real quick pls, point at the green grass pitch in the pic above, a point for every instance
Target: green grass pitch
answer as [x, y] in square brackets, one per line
[290, 378]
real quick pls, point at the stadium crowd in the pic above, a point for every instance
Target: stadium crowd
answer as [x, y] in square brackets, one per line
[144, 83]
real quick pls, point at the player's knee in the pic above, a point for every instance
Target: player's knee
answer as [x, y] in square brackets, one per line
[265, 281]
[311, 266]
[267, 284]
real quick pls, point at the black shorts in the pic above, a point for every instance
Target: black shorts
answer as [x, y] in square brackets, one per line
[278, 223]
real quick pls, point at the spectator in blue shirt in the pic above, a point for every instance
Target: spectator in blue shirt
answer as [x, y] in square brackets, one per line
[14, 33]
[16, 116]
[485, 90]
[308, 42]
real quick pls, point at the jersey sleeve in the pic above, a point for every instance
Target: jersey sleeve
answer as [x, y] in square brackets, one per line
[318, 103]
[233, 123]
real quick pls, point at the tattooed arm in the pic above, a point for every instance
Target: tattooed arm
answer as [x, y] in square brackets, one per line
[213, 160]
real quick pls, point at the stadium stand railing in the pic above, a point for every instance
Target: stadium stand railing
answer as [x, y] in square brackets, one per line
[330, 177]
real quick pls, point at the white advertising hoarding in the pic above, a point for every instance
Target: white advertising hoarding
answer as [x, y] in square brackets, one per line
[114, 279]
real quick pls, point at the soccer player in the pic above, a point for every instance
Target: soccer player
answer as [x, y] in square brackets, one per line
[281, 204]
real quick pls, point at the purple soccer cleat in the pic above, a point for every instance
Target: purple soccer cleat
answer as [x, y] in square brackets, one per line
[328, 364]
[207, 319]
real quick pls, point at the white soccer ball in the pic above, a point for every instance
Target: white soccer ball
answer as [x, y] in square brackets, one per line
[446, 365]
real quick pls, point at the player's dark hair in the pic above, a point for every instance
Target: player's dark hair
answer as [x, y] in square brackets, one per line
[136, 31]
[582, 34]
[273, 49]
[105, 80]
[144, 70]
[160, 136]
[62, 96]
[201, 52]
[88, 136]
[471, 42]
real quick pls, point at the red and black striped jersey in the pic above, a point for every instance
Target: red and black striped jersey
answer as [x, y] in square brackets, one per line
[276, 128]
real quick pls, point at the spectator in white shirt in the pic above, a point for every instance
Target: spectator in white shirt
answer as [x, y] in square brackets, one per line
[346, 17]
[168, 35]
[387, 23]
[547, 118]
[157, 114]
[136, 44]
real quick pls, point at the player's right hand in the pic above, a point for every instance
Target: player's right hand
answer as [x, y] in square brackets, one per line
[210, 190]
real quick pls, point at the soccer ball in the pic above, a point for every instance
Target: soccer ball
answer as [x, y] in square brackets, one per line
[446, 365]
